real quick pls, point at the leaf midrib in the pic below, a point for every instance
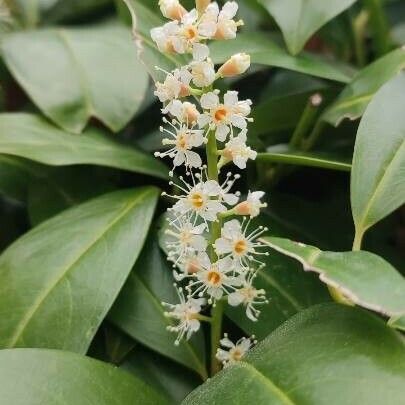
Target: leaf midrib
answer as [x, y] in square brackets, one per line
[20, 328]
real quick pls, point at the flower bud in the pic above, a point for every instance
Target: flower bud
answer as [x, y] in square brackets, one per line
[236, 65]
[244, 208]
[201, 5]
[190, 112]
[172, 9]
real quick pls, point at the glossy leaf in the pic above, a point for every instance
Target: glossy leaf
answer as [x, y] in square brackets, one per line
[265, 51]
[62, 277]
[328, 354]
[378, 175]
[36, 377]
[281, 154]
[32, 137]
[102, 77]
[139, 312]
[363, 277]
[354, 99]
[300, 19]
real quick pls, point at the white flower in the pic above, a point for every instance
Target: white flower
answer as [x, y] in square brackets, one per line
[186, 314]
[199, 199]
[202, 68]
[184, 239]
[182, 140]
[203, 73]
[184, 112]
[233, 352]
[234, 66]
[235, 241]
[252, 205]
[163, 36]
[209, 20]
[226, 25]
[176, 84]
[248, 296]
[214, 279]
[172, 9]
[224, 116]
[237, 150]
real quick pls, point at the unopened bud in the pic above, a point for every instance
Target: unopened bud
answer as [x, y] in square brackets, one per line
[172, 9]
[201, 5]
[190, 112]
[236, 65]
[243, 208]
[184, 91]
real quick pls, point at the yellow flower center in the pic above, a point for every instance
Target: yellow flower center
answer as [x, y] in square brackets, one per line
[182, 141]
[236, 354]
[197, 200]
[240, 247]
[190, 32]
[214, 277]
[220, 113]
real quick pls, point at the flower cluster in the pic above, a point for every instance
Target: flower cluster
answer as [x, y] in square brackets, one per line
[209, 238]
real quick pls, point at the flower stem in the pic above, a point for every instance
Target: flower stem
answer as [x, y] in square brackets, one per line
[216, 332]
[307, 119]
[217, 311]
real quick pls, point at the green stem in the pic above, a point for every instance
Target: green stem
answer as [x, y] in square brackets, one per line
[379, 26]
[315, 134]
[306, 120]
[217, 310]
[216, 333]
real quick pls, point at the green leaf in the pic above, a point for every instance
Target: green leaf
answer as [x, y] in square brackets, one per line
[170, 379]
[94, 71]
[378, 175]
[55, 377]
[354, 99]
[328, 354]
[139, 312]
[264, 51]
[300, 19]
[62, 277]
[364, 278]
[32, 137]
[282, 154]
